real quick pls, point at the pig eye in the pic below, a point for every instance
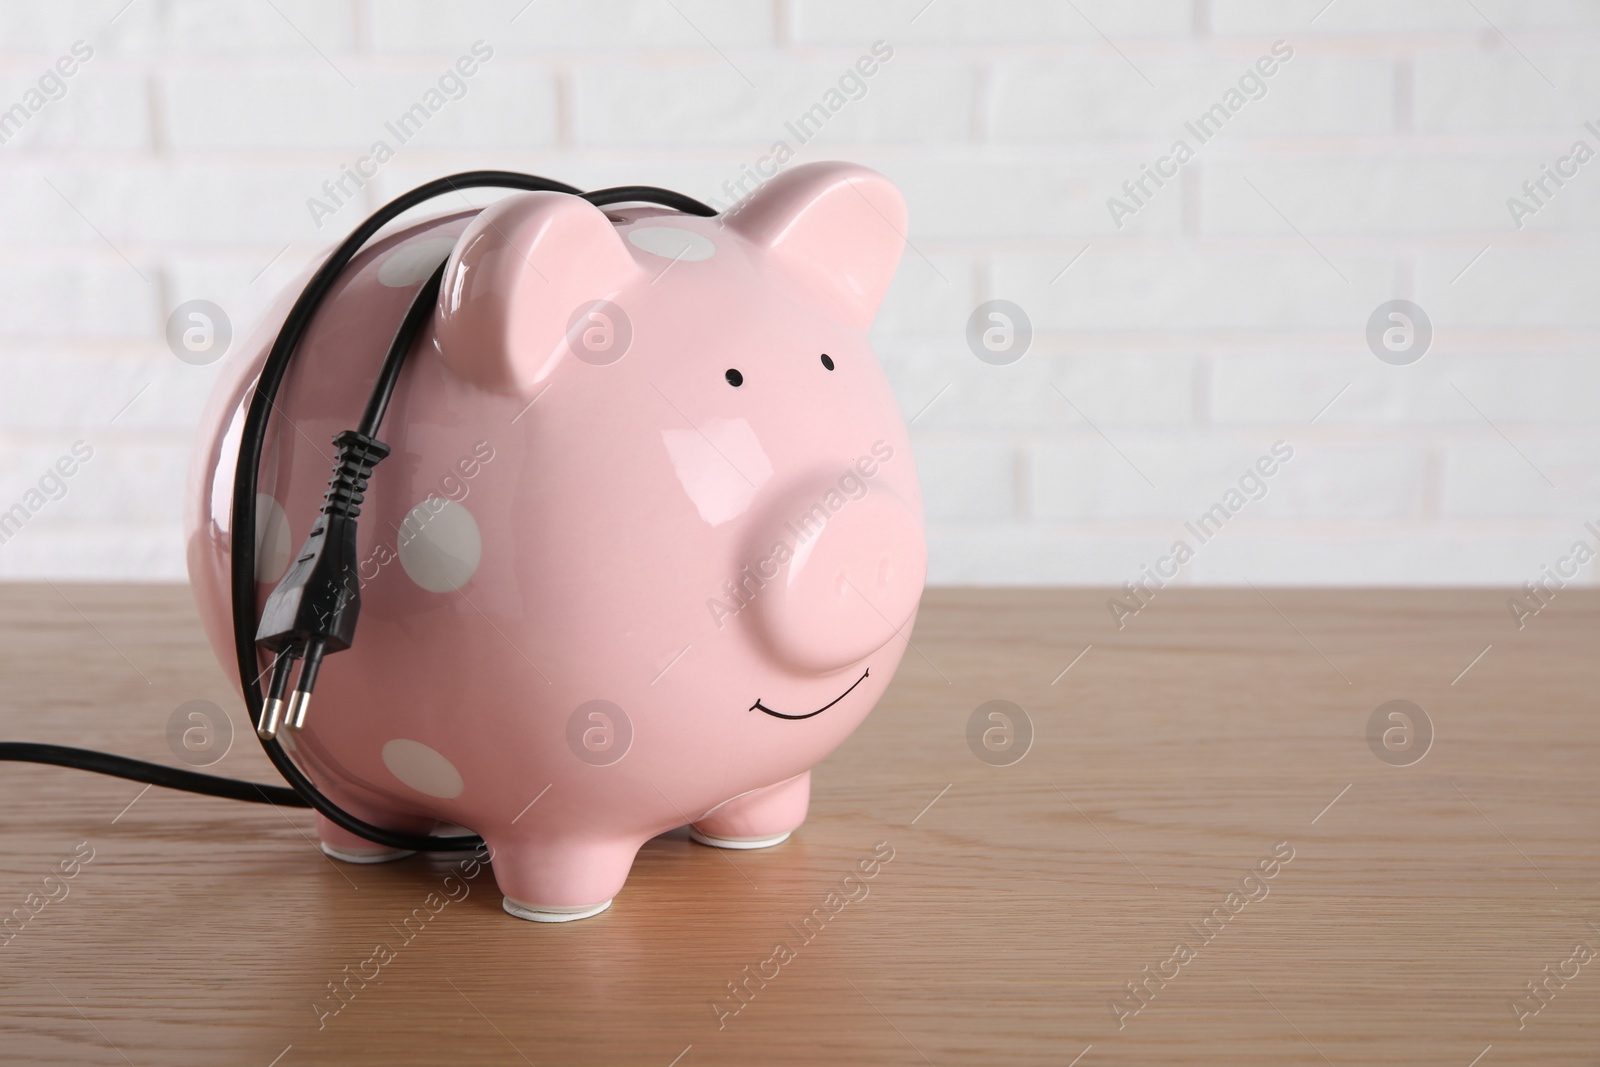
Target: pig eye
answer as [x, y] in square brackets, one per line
[827, 361]
[735, 379]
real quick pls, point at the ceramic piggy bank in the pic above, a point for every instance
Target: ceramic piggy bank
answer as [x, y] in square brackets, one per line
[649, 544]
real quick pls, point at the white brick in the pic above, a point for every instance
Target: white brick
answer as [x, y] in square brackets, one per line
[1370, 554]
[148, 204]
[1006, 554]
[191, 28]
[1183, 288]
[96, 106]
[1502, 92]
[1014, 194]
[1113, 389]
[1203, 330]
[245, 289]
[1384, 195]
[1047, 100]
[1332, 481]
[118, 550]
[37, 214]
[1385, 16]
[922, 380]
[966, 22]
[709, 103]
[1096, 479]
[149, 386]
[608, 25]
[1129, 388]
[123, 479]
[205, 29]
[96, 296]
[932, 296]
[966, 480]
[1530, 286]
[130, 479]
[1502, 477]
[308, 106]
[51, 28]
[1291, 386]
[968, 195]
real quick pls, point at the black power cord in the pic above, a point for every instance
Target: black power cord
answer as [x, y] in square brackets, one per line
[313, 610]
[138, 770]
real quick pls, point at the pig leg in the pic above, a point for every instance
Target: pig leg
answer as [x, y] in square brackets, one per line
[343, 845]
[557, 880]
[757, 819]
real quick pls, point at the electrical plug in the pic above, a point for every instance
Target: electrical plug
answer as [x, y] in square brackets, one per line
[314, 609]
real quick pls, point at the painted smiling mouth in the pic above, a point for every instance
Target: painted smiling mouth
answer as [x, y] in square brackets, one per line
[758, 706]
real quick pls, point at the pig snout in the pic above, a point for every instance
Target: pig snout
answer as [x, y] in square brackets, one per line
[852, 585]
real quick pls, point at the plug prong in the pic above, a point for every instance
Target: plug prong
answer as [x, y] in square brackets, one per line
[272, 712]
[301, 700]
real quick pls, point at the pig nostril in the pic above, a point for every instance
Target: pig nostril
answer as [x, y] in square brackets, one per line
[827, 361]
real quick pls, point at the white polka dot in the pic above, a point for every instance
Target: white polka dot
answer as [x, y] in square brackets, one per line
[411, 263]
[440, 545]
[672, 243]
[423, 769]
[274, 549]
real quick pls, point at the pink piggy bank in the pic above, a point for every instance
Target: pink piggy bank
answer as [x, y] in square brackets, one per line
[649, 544]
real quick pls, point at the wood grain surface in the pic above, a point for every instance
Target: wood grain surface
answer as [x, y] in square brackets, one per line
[1216, 734]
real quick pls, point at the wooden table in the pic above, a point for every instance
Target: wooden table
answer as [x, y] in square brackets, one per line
[1216, 734]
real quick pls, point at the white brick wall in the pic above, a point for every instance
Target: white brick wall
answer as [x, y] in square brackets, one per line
[1226, 314]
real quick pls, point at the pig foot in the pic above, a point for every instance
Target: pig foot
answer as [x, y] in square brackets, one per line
[760, 818]
[551, 914]
[347, 847]
[559, 881]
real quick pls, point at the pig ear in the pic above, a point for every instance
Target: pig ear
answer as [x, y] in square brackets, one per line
[517, 275]
[834, 231]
